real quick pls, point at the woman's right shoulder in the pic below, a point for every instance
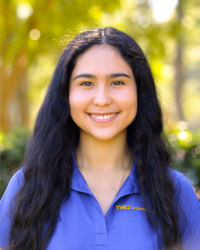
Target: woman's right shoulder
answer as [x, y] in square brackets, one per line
[18, 176]
[14, 185]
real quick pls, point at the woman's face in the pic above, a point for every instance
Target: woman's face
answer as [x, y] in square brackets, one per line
[103, 93]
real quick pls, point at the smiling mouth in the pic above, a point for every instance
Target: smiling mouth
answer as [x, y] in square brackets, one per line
[102, 117]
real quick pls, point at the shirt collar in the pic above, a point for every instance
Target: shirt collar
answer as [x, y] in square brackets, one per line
[130, 186]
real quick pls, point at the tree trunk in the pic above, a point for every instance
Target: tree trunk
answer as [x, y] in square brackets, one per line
[13, 80]
[179, 76]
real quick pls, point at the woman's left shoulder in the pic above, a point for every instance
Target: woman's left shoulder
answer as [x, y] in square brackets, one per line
[175, 175]
[189, 204]
[184, 190]
[179, 179]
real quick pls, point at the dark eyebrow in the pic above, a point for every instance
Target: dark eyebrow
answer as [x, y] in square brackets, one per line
[118, 75]
[109, 76]
[85, 75]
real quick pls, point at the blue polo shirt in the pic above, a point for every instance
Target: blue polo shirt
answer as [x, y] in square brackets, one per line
[82, 224]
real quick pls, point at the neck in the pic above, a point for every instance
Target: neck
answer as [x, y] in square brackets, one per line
[102, 155]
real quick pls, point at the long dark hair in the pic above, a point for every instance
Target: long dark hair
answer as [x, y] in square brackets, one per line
[49, 157]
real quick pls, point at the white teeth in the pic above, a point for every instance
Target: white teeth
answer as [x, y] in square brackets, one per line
[102, 117]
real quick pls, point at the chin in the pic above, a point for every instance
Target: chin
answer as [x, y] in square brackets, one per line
[104, 137]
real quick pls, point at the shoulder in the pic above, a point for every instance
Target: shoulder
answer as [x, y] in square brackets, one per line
[182, 186]
[176, 176]
[13, 187]
[188, 210]
[180, 182]
[17, 178]
[15, 182]
[185, 196]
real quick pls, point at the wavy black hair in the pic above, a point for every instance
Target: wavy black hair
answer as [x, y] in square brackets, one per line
[49, 156]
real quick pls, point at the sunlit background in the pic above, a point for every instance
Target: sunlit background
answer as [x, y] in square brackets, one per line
[34, 33]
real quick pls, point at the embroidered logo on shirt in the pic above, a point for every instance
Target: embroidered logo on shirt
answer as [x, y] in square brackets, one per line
[130, 207]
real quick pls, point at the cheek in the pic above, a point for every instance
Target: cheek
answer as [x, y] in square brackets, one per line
[78, 102]
[128, 100]
[133, 97]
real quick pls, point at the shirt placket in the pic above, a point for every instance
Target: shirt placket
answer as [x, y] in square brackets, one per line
[100, 225]
[79, 184]
[100, 220]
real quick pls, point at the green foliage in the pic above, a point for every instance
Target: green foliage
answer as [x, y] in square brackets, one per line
[185, 152]
[12, 149]
[34, 33]
[52, 19]
[59, 21]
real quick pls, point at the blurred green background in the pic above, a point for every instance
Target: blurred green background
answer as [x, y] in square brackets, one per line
[34, 33]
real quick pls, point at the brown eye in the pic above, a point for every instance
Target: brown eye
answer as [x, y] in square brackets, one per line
[86, 84]
[117, 83]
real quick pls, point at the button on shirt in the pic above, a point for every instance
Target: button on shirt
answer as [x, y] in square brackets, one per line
[82, 224]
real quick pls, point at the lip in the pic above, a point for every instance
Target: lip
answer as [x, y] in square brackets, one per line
[103, 120]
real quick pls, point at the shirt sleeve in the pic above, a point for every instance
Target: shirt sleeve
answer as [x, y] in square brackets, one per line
[189, 203]
[5, 205]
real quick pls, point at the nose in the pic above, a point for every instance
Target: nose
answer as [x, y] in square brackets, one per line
[102, 97]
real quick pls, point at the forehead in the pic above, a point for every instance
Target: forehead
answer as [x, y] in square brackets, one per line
[101, 59]
[99, 48]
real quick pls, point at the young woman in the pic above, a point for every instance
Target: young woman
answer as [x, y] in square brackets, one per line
[97, 174]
